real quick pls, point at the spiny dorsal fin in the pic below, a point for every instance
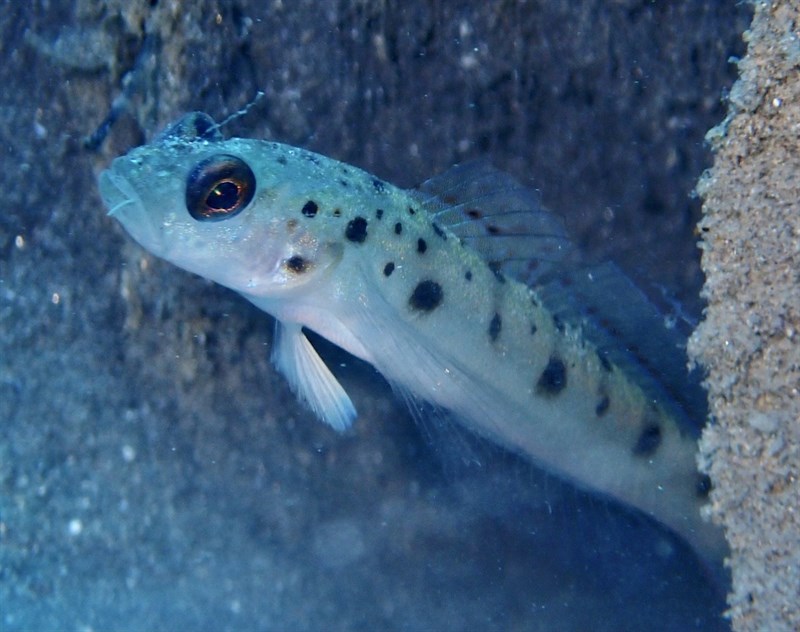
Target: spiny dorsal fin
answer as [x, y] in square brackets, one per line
[495, 215]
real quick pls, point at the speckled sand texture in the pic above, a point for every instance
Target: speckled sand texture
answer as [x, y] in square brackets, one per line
[749, 340]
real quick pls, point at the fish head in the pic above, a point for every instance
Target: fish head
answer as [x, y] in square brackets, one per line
[222, 209]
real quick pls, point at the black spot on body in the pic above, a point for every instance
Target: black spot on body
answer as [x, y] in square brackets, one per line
[310, 208]
[558, 324]
[337, 212]
[422, 246]
[379, 213]
[398, 228]
[494, 266]
[379, 185]
[427, 296]
[438, 230]
[602, 406]
[411, 211]
[648, 441]
[281, 160]
[356, 230]
[297, 264]
[604, 361]
[534, 329]
[468, 275]
[495, 326]
[388, 269]
[554, 377]
[344, 183]
[703, 485]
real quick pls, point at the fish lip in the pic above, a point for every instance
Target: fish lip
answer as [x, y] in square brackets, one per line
[126, 205]
[117, 193]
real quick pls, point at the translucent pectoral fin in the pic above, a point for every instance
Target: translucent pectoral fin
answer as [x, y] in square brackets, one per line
[310, 378]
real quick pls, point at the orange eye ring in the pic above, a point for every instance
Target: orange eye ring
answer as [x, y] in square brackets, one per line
[219, 188]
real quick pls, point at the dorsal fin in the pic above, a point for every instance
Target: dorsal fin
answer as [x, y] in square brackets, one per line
[495, 215]
[504, 221]
[629, 331]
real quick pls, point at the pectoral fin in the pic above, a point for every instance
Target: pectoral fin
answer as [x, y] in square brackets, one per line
[310, 378]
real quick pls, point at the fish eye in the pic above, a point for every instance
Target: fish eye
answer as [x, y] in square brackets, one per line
[219, 187]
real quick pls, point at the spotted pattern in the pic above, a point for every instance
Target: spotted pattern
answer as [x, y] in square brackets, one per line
[398, 228]
[648, 440]
[553, 379]
[468, 275]
[379, 213]
[297, 264]
[388, 269]
[495, 326]
[703, 485]
[427, 296]
[422, 246]
[356, 230]
[310, 208]
[495, 268]
[534, 329]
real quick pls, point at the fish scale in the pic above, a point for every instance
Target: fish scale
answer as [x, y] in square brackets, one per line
[421, 284]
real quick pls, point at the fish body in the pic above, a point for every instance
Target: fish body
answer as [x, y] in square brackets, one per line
[420, 284]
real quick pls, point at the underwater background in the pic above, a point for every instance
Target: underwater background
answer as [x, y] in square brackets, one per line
[155, 471]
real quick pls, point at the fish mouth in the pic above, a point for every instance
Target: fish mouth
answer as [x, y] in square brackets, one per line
[126, 206]
[117, 193]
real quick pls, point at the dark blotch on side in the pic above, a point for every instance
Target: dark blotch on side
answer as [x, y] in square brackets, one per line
[438, 230]
[602, 406]
[534, 329]
[422, 246]
[297, 264]
[494, 266]
[411, 211]
[495, 326]
[379, 185]
[703, 485]
[648, 441]
[468, 275]
[554, 377]
[388, 269]
[601, 355]
[398, 228]
[379, 213]
[281, 160]
[356, 230]
[427, 296]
